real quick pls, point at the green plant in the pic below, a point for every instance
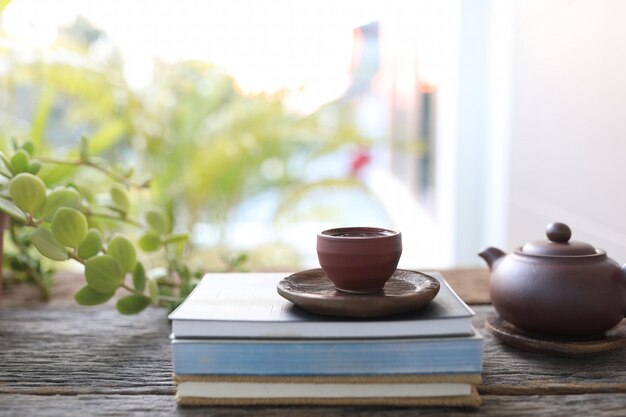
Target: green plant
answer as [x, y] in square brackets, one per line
[70, 222]
[235, 147]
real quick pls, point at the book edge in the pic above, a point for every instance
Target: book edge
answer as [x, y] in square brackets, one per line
[437, 275]
[468, 378]
[473, 336]
[471, 401]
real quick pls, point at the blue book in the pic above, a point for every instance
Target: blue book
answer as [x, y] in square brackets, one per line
[247, 305]
[330, 357]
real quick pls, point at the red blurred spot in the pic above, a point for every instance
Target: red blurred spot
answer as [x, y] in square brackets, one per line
[359, 160]
[426, 88]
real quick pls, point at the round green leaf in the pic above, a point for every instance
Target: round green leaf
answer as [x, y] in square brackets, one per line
[34, 167]
[166, 290]
[27, 191]
[7, 163]
[139, 277]
[120, 198]
[132, 304]
[12, 210]
[85, 192]
[123, 251]
[29, 147]
[61, 197]
[158, 221]
[69, 226]
[91, 245]
[150, 242]
[48, 246]
[103, 273]
[20, 161]
[153, 289]
[88, 296]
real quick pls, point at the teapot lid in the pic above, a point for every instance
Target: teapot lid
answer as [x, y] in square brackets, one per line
[558, 243]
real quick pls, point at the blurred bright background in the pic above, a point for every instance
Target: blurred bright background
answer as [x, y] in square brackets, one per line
[460, 123]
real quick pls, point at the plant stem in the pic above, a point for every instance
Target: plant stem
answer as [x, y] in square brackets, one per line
[134, 291]
[59, 161]
[3, 223]
[79, 162]
[32, 272]
[31, 221]
[111, 216]
[161, 297]
[75, 257]
[113, 175]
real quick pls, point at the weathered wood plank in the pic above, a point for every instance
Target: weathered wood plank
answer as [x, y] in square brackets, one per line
[598, 405]
[509, 371]
[27, 295]
[471, 284]
[95, 350]
[84, 350]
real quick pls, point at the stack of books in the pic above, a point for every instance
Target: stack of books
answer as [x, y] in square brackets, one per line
[236, 341]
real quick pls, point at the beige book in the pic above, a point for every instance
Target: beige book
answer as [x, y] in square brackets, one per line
[416, 390]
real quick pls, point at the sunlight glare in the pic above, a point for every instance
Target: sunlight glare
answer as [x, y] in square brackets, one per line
[267, 46]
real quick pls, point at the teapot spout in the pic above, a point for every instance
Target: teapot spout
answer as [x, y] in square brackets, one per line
[491, 256]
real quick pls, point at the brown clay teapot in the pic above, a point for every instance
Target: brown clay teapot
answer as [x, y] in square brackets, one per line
[557, 287]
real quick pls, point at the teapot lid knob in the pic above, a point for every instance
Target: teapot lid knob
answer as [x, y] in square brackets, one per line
[559, 244]
[558, 232]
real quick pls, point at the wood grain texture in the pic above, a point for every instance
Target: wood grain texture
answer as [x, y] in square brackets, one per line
[27, 295]
[597, 405]
[471, 284]
[313, 291]
[96, 350]
[67, 360]
[614, 339]
[511, 371]
[84, 350]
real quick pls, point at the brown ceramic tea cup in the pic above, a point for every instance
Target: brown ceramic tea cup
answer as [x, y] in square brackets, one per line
[359, 259]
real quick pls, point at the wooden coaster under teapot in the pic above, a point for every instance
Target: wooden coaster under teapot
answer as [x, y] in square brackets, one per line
[610, 341]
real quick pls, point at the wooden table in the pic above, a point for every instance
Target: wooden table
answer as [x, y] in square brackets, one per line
[63, 360]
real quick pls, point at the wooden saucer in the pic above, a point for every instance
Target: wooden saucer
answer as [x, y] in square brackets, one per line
[612, 340]
[313, 291]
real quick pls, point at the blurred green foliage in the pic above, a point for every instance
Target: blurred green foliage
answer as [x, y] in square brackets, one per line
[208, 146]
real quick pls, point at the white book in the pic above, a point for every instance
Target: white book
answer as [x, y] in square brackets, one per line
[247, 305]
